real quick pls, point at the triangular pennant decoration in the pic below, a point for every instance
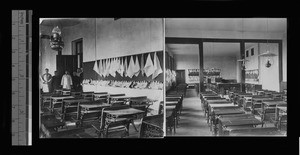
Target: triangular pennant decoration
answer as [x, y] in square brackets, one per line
[136, 66]
[142, 65]
[149, 68]
[130, 71]
[96, 67]
[157, 67]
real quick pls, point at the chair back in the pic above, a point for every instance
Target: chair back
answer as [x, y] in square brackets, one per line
[161, 107]
[152, 126]
[113, 122]
[76, 94]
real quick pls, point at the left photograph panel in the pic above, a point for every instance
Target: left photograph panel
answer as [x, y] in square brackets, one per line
[101, 77]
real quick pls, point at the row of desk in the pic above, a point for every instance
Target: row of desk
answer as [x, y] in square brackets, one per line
[227, 117]
[83, 109]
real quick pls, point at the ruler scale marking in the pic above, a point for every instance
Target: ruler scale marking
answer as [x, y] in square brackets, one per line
[21, 48]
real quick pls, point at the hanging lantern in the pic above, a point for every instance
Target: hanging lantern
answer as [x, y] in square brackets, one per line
[269, 58]
[56, 42]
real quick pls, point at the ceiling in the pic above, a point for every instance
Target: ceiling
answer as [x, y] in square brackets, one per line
[193, 25]
[228, 24]
[60, 22]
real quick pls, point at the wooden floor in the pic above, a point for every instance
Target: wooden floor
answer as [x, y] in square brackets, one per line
[192, 120]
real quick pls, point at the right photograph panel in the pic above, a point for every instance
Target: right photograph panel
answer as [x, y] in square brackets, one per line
[226, 76]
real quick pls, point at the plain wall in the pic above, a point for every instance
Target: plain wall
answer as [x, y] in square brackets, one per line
[47, 56]
[226, 64]
[115, 38]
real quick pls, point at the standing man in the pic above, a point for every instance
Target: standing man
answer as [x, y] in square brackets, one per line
[66, 81]
[76, 82]
[55, 81]
[46, 81]
[80, 78]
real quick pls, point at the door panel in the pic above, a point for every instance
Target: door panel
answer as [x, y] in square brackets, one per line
[66, 62]
[180, 76]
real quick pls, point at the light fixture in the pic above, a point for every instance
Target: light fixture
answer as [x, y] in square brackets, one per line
[56, 42]
[268, 54]
[243, 63]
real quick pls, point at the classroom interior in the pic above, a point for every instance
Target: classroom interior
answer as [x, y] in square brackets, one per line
[162, 77]
[230, 74]
[108, 79]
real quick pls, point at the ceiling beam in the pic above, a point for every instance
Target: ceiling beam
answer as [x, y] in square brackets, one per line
[179, 40]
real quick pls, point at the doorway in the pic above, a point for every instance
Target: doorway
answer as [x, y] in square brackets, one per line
[77, 49]
[66, 63]
[180, 76]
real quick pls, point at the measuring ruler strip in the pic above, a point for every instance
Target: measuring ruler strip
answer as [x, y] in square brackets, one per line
[21, 53]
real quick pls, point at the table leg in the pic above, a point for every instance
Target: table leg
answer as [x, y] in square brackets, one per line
[132, 122]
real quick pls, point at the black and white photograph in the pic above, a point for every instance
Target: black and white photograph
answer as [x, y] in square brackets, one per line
[101, 77]
[226, 77]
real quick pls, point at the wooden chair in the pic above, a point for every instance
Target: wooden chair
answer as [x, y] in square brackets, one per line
[46, 101]
[107, 125]
[161, 107]
[88, 95]
[76, 94]
[104, 96]
[152, 126]
[139, 103]
[66, 92]
[247, 103]
[178, 108]
[171, 120]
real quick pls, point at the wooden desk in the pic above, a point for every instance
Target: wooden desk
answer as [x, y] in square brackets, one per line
[87, 107]
[226, 109]
[124, 113]
[269, 131]
[51, 123]
[71, 101]
[125, 98]
[206, 103]
[58, 99]
[257, 101]
[271, 104]
[245, 120]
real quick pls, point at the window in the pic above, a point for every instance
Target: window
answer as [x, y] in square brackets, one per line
[252, 51]
[247, 53]
[77, 50]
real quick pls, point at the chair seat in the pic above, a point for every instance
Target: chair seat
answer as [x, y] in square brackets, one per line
[117, 128]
